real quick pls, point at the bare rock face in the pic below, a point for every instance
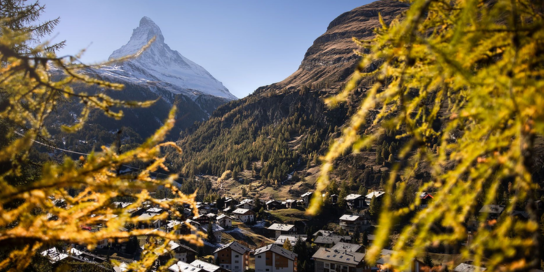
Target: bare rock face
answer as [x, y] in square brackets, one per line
[332, 56]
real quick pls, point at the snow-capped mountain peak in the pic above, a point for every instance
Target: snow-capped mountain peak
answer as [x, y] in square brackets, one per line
[161, 65]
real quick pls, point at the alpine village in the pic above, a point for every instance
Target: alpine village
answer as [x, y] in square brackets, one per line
[321, 171]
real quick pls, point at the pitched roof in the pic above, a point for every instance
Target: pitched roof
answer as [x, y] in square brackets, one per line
[241, 211]
[346, 247]
[278, 250]
[492, 209]
[306, 194]
[221, 216]
[154, 210]
[347, 217]
[206, 266]
[327, 240]
[247, 200]
[292, 239]
[234, 246]
[215, 228]
[375, 194]
[184, 267]
[281, 227]
[324, 232]
[352, 197]
[463, 267]
[351, 258]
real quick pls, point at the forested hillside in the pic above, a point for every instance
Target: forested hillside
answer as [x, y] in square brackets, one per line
[281, 130]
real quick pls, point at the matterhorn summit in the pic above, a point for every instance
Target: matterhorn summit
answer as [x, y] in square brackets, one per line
[161, 66]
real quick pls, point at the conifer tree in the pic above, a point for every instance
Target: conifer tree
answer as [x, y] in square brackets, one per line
[287, 244]
[29, 94]
[211, 236]
[475, 68]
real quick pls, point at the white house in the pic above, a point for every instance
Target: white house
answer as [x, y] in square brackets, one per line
[274, 258]
[217, 231]
[224, 221]
[282, 229]
[244, 215]
[351, 222]
[233, 257]
[246, 204]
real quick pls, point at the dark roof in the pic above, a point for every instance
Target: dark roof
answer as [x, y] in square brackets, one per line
[278, 250]
[467, 268]
[234, 246]
[327, 240]
[352, 258]
[494, 209]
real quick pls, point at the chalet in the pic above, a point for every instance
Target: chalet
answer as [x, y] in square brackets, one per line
[282, 229]
[425, 198]
[244, 215]
[182, 228]
[212, 216]
[246, 204]
[292, 239]
[216, 229]
[351, 222]
[273, 258]
[193, 223]
[348, 248]
[55, 255]
[355, 201]
[208, 267]
[273, 205]
[492, 211]
[290, 203]
[149, 220]
[202, 219]
[228, 210]
[181, 252]
[382, 263]
[233, 257]
[224, 221]
[334, 260]
[463, 267]
[375, 194]
[230, 202]
[306, 197]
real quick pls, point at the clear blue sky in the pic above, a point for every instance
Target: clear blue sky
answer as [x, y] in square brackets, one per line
[243, 43]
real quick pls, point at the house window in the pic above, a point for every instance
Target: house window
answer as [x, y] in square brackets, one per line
[236, 256]
[326, 265]
[259, 256]
[236, 261]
